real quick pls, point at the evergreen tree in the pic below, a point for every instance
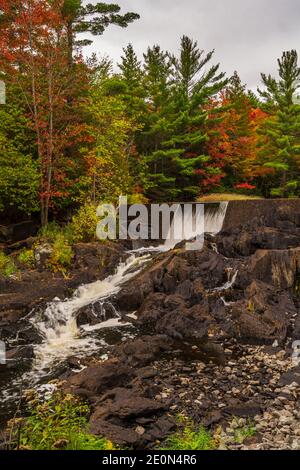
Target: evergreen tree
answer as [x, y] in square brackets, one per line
[92, 19]
[132, 79]
[280, 146]
[180, 164]
[156, 83]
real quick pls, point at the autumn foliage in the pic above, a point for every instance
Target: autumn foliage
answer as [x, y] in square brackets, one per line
[166, 128]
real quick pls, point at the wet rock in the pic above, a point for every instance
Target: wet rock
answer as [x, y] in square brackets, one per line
[95, 313]
[98, 379]
[20, 352]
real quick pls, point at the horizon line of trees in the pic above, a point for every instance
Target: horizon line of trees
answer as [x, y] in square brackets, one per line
[165, 128]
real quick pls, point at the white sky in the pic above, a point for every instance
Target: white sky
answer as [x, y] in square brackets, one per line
[248, 35]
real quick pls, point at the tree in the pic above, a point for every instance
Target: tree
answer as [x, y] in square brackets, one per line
[19, 180]
[232, 145]
[180, 164]
[108, 160]
[34, 58]
[92, 19]
[280, 143]
[232, 129]
[131, 76]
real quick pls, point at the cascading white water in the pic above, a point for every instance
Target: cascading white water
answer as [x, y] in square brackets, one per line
[232, 276]
[214, 217]
[213, 222]
[58, 326]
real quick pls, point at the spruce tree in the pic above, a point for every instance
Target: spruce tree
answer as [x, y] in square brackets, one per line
[180, 163]
[132, 78]
[280, 146]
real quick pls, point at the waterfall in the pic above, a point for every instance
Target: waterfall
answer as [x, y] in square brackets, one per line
[62, 338]
[232, 276]
[214, 217]
[57, 324]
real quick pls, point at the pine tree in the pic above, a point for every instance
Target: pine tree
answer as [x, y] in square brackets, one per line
[180, 164]
[280, 146]
[92, 19]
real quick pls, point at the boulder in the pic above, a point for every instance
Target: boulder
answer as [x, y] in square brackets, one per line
[98, 379]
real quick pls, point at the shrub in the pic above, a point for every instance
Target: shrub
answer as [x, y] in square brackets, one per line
[84, 223]
[49, 232]
[7, 265]
[60, 240]
[62, 254]
[59, 423]
[27, 258]
[190, 438]
[137, 198]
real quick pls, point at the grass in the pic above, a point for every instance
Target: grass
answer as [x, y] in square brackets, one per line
[7, 265]
[60, 423]
[220, 197]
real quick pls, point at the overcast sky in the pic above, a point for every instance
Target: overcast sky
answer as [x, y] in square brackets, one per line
[247, 35]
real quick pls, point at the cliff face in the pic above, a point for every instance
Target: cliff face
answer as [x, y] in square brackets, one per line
[274, 212]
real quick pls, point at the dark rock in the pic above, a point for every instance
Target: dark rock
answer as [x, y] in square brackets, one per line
[144, 350]
[211, 418]
[244, 410]
[289, 377]
[187, 323]
[262, 314]
[276, 267]
[162, 427]
[20, 352]
[95, 313]
[120, 435]
[146, 373]
[98, 379]
[17, 232]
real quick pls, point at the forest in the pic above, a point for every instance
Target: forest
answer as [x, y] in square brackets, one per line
[77, 131]
[137, 344]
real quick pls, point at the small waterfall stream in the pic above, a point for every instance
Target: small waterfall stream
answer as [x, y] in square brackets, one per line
[57, 324]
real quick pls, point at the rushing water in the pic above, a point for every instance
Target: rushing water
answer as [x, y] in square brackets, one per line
[57, 324]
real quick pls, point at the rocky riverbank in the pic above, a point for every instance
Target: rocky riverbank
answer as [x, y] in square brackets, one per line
[214, 339]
